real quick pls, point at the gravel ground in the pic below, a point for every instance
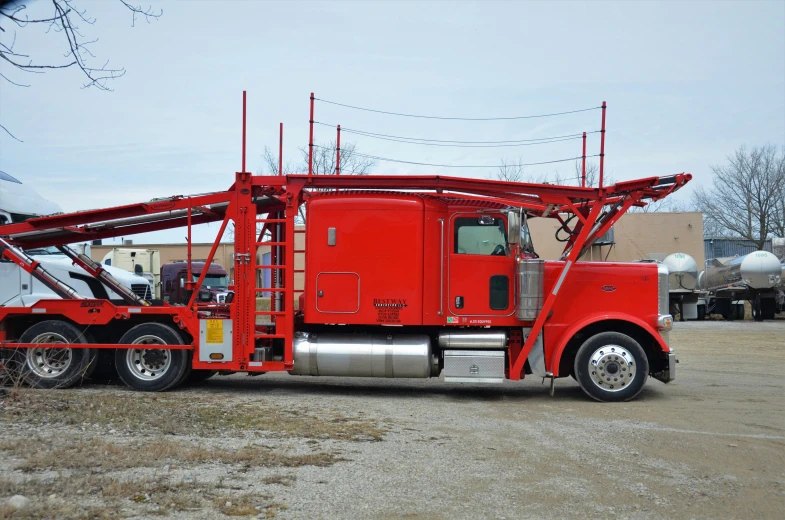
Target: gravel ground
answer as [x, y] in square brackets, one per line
[709, 445]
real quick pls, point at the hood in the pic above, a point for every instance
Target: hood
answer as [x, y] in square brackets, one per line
[65, 263]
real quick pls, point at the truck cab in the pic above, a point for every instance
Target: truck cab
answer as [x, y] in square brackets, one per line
[214, 289]
[142, 262]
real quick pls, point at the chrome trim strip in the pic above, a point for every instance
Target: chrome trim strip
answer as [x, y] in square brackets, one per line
[561, 278]
[441, 268]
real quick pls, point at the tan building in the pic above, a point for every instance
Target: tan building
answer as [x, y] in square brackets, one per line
[635, 235]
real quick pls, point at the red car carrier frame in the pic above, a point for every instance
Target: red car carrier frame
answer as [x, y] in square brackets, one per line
[404, 276]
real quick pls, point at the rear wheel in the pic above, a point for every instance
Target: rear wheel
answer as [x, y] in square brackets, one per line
[150, 368]
[50, 366]
[611, 366]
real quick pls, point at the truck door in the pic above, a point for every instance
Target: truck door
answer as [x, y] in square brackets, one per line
[10, 281]
[480, 271]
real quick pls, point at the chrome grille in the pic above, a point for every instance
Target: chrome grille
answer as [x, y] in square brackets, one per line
[142, 290]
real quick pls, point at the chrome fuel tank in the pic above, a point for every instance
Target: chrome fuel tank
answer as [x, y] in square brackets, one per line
[364, 355]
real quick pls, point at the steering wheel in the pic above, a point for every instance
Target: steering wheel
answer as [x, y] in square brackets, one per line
[499, 250]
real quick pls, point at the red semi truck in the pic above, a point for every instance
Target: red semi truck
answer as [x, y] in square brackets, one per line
[404, 277]
[174, 275]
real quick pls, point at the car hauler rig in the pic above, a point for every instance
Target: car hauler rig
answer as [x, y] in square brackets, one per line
[405, 276]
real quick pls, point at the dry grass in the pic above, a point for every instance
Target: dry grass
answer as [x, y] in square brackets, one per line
[282, 480]
[248, 505]
[61, 498]
[100, 455]
[105, 452]
[180, 414]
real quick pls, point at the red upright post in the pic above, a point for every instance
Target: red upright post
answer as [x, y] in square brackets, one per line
[602, 144]
[280, 151]
[583, 167]
[243, 131]
[338, 153]
[189, 281]
[310, 141]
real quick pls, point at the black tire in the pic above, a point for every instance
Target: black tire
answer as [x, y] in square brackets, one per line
[768, 308]
[701, 312]
[757, 313]
[53, 368]
[199, 376]
[152, 369]
[619, 356]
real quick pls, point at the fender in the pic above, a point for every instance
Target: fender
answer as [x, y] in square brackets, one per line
[596, 318]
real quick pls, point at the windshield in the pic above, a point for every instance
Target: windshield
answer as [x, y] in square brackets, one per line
[215, 281]
[43, 251]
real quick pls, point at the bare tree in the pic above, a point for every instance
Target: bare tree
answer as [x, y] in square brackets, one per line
[67, 19]
[592, 174]
[352, 162]
[510, 170]
[746, 197]
[324, 162]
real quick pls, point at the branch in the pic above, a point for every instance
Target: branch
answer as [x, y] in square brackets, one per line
[9, 133]
[12, 82]
[137, 9]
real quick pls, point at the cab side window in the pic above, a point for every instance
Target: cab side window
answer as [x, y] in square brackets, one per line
[480, 236]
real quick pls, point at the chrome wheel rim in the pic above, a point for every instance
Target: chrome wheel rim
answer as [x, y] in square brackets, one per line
[46, 362]
[148, 364]
[612, 368]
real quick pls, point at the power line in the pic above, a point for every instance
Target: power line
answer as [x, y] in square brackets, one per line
[386, 159]
[460, 144]
[455, 118]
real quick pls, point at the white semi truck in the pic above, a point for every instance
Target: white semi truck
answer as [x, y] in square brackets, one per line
[19, 202]
[143, 262]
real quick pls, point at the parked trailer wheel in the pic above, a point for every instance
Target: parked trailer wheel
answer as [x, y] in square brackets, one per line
[611, 366]
[47, 367]
[151, 369]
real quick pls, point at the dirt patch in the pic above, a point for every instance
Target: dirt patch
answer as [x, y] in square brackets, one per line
[709, 445]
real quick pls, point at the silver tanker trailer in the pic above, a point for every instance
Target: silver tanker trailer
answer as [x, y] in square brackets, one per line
[685, 297]
[756, 277]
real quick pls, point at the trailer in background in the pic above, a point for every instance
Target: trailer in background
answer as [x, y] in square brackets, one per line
[142, 262]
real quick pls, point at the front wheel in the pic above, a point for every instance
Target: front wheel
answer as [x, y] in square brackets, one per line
[151, 368]
[611, 366]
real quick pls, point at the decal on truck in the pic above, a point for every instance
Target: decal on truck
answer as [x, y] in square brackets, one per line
[389, 309]
[215, 331]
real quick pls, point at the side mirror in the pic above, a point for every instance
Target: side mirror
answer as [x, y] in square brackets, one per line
[513, 227]
[182, 283]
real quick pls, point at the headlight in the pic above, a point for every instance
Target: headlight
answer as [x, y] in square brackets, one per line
[665, 322]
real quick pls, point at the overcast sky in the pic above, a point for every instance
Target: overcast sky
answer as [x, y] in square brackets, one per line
[686, 84]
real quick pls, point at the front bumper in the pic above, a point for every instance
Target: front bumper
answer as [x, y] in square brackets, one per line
[669, 374]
